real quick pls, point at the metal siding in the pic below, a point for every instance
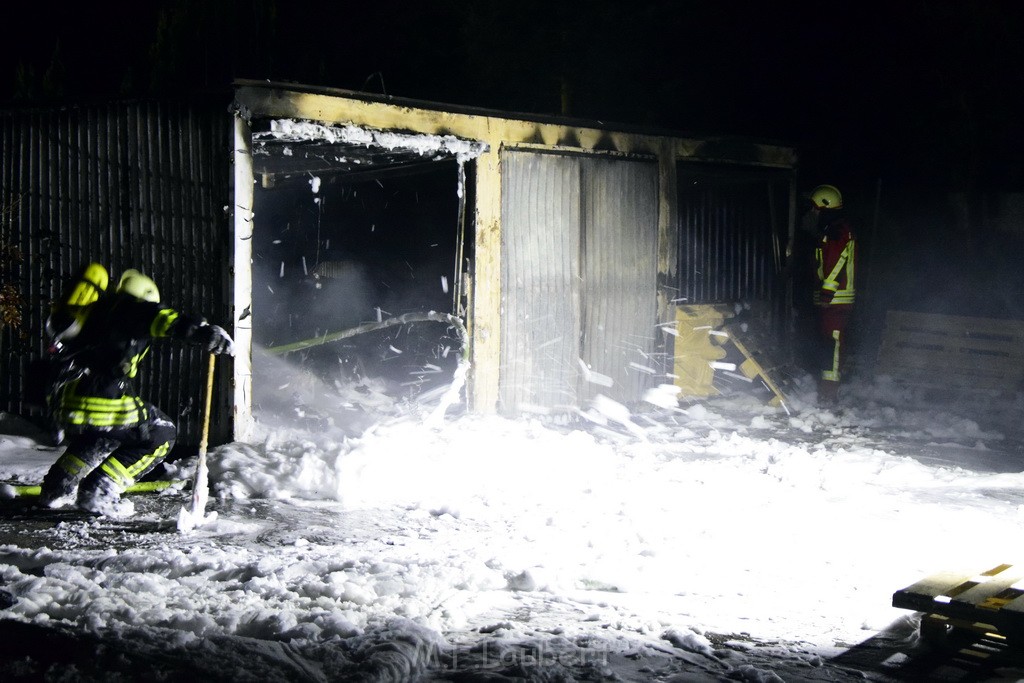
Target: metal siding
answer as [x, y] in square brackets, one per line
[728, 236]
[129, 184]
[540, 275]
[620, 271]
[579, 274]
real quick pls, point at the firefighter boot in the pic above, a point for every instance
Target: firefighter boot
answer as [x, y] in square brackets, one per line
[62, 479]
[100, 495]
[58, 488]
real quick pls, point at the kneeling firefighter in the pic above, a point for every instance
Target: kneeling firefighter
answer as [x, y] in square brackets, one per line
[114, 437]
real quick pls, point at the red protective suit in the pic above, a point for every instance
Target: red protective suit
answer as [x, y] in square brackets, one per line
[836, 258]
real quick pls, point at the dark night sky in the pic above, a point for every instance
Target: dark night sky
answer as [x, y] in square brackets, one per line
[925, 91]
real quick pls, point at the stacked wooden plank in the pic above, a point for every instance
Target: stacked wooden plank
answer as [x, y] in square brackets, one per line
[948, 351]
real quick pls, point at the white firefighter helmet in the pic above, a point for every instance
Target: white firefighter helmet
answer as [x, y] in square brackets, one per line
[827, 197]
[139, 286]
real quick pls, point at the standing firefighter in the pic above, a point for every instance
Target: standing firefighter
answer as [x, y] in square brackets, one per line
[835, 261]
[99, 338]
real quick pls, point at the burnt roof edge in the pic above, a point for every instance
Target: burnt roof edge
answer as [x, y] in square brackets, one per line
[502, 114]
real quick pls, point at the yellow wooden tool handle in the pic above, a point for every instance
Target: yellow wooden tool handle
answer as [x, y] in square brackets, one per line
[204, 440]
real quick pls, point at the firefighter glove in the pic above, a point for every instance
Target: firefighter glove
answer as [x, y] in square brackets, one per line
[214, 339]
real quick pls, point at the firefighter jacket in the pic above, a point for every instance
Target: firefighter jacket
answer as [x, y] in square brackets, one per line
[836, 260]
[115, 336]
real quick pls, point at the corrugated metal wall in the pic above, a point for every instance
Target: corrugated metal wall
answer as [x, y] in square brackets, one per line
[579, 273]
[132, 185]
[733, 225]
[620, 274]
[540, 278]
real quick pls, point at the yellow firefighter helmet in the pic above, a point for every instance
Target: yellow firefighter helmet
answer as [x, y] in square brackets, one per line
[827, 197]
[138, 285]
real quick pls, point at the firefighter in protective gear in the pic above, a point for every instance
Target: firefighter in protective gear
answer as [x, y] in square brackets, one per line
[835, 267]
[115, 437]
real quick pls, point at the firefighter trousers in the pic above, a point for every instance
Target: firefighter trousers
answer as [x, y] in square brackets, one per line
[832, 323]
[102, 463]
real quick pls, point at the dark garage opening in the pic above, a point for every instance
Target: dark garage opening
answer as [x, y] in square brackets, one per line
[367, 238]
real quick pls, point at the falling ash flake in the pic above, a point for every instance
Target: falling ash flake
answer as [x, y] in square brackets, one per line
[616, 412]
[663, 396]
[643, 368]
[595, 377]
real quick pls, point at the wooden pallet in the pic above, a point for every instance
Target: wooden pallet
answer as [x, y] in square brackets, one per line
[990, 602]
[948, 351]
[709, 359]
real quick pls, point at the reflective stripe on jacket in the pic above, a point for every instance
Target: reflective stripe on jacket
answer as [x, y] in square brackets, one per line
[836, 257]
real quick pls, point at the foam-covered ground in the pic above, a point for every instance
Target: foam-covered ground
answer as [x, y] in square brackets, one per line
[720, 541]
